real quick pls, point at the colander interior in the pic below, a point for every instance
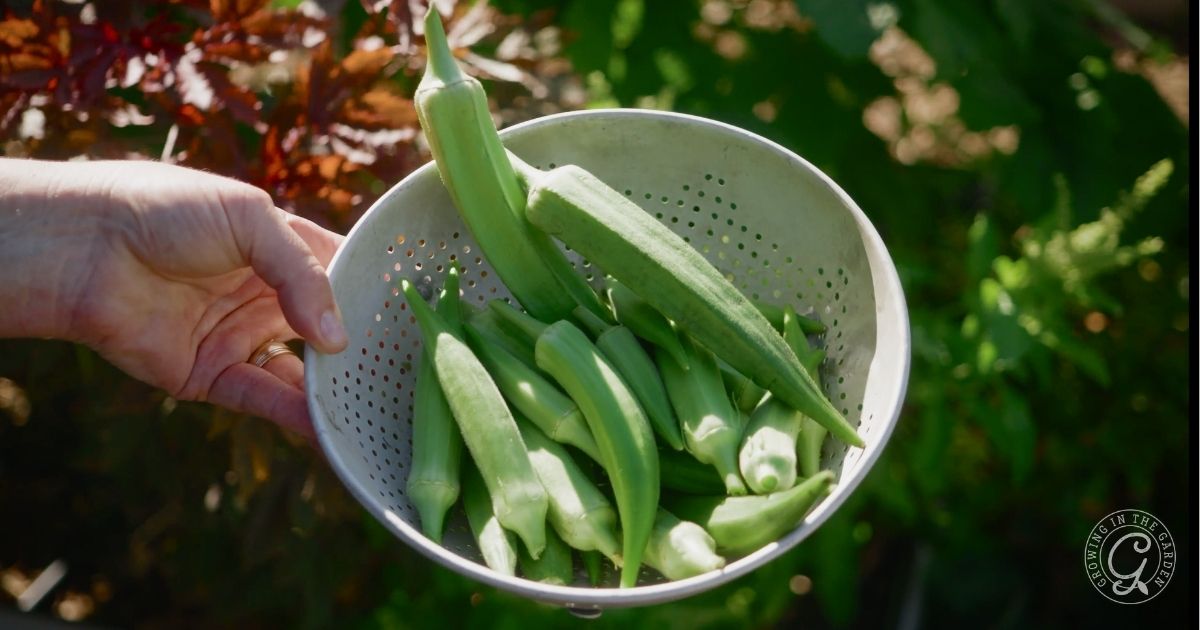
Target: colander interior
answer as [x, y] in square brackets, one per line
[777, 227]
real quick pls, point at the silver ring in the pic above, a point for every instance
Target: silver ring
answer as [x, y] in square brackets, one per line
[267, 351]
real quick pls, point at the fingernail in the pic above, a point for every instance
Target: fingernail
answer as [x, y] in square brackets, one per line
[332, 329]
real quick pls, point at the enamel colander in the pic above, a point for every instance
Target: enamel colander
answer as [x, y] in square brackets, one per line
[778, 227]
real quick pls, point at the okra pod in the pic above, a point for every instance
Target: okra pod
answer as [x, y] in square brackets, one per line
[774, 314]
[626, 441]
[745, 393]
[453, 112]
[669, 274]
[681, 549]
[644, 320]
[487, 427]
[627, 355]
[578, 511]
[533, 395]
[433, 477]
[497, 545]
[743, 524]
[488, 323]
[812, 435]
[711, 426]
[555, 566]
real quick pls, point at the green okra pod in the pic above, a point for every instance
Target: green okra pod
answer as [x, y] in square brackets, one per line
[433, 483]
[483, 184]
[578, 511]
[812, 435]
[767, 456]
[555, 566]
[497, 545]
[644, 320]
[743, 524]
[523, 325]
[593, 565]
[533, 395]
[681, 549]
[711, 427]
[627, 355]
[626, 441]
[487, 426]
[658, 266]
[774, 314]
[488, 323]
[745, 393]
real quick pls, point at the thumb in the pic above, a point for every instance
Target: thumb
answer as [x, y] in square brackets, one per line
[267, 243]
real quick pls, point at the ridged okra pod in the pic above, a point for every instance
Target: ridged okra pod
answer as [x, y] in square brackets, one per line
[433, 482]
[681, 549]
[487, 322]
[555, 566]
[661, 268]
[644, 320]
[627, 449]
[745, 393]
[743, 524]
[774, 314]
[487, 426]
[497, 545]
[622, 349]
[578, 510]
[768, 453]
[473, 164]
[533, 395]
[812, 434]
[712, 428]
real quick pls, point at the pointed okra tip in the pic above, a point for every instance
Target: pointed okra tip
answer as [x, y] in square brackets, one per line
[440, 66]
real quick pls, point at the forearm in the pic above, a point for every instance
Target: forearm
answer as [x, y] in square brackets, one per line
[51, 214]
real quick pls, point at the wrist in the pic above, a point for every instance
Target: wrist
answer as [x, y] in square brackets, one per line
[52, 215]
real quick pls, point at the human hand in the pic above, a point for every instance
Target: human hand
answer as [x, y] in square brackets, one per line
[179, 275]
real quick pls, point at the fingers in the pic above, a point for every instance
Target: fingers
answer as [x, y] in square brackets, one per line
[322, 242]
[248, 389]
[267, 242]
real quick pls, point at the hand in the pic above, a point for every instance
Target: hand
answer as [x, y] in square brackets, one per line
[180, 275]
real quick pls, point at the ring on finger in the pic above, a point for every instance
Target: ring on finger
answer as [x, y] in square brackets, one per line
[267, 351]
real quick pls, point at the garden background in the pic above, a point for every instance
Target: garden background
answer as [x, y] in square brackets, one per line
[1026, 162]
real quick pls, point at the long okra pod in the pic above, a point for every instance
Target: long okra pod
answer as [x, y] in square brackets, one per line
[497, 545]
[473, 164]
[812, 434]
[627, 355]
[533, 395]
[664, 270]
[712, 428]
[743, 524]
[626, 441]
[644, 320]
[578, 510]
[487, 427]
[433, 477]
[774, 314]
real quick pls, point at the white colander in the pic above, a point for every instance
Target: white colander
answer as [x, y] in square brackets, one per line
[781, 229]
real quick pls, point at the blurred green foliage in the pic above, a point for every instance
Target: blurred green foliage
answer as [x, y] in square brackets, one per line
[1040, 222]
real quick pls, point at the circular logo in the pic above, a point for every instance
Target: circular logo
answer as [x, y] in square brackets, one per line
[1129, 556]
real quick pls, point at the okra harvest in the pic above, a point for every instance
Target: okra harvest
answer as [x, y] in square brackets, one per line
[487, 426]
[433, 482]
[632, 246]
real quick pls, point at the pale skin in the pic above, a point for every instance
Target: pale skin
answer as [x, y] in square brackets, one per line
[173, 275]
